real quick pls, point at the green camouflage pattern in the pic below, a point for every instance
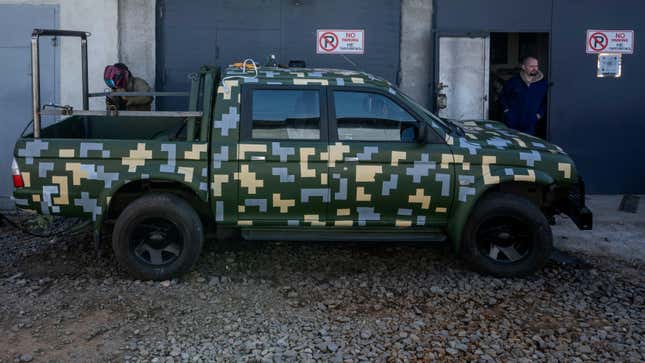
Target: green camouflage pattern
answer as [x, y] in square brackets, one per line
[296, 183]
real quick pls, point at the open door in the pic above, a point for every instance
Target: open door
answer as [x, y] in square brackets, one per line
[464, 67]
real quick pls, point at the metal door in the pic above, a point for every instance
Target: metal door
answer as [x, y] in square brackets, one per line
[16, 25]
[218, 32]
[462, 87]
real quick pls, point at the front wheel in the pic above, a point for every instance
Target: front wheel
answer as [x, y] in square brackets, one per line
[507, 236]
[158, 237]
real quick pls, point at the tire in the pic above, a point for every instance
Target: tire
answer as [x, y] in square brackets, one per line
[507, 236]
[158, 237]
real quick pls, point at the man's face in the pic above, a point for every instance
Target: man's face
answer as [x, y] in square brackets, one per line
[531, 67]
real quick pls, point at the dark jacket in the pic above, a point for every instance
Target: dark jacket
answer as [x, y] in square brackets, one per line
[522, 102]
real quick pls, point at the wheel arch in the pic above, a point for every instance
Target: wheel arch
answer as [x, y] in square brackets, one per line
[535, 189]
[116, 199]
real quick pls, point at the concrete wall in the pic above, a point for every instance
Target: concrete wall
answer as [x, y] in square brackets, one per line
[98, 17]
[137, 37]
[416, 49]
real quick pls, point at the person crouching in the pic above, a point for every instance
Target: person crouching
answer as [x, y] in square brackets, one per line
[119, 78]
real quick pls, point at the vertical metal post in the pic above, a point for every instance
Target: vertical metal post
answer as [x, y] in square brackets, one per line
[209, 85]
[35, 84]
[196, 79]
[86, 98]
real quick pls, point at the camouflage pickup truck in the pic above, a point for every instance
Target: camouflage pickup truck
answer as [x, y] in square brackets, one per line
[298, 154]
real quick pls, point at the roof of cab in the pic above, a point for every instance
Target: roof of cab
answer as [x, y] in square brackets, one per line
[305, 76]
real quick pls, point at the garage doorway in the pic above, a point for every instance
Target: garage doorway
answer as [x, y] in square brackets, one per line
[473, 68]
[506, 51]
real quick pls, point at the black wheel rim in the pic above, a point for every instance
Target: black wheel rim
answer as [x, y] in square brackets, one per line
[156, 241]
[505, 239]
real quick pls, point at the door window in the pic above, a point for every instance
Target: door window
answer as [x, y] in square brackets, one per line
[286, 114]
[365, 116]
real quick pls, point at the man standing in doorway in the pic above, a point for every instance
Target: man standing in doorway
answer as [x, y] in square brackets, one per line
[524, 97]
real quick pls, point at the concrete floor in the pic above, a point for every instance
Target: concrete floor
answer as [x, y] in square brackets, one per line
[615, 233]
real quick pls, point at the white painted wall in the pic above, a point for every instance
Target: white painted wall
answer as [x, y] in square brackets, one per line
[99, 17]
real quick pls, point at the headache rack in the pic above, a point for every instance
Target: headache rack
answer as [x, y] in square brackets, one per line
[202, 83]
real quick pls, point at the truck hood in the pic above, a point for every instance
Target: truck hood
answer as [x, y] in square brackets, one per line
[489, 134]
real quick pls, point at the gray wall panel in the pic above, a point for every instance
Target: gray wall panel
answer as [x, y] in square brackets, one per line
[532, 15]
[197, 32]
[600, 122]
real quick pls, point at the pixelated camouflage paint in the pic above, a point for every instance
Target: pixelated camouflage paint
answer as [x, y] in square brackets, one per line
[296, 183]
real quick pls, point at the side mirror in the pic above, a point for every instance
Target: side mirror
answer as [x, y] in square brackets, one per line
[422, 132]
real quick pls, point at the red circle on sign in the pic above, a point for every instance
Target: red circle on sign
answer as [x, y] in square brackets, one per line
[328, 47]
[595, 45]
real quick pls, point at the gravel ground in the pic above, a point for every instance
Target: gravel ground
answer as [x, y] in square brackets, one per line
[340, 302]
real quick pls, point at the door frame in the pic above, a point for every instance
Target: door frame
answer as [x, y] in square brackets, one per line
[437, 33]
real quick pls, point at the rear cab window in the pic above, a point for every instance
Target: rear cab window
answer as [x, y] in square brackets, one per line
[283, 113]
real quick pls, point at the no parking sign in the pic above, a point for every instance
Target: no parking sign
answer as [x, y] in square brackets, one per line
[610, 41]
[340, 41]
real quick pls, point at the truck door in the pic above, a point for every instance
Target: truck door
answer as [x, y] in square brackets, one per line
[282, 176]
[379, 174]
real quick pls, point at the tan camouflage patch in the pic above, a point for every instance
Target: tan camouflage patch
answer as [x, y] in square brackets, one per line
[361, 196]
[344, 223]
[441, 210]
[526, 178]
[334, 153]
[187, 172]
[446, 159]
[247, 179]
[26, 178]
[244, 223]
[308, 81]
[77, 172]
[314, 219]
[367, 173]
[227, 88]
[36, 198]
[137, 157]
[519, 142]
[242, 149]
[66, 153]
[241, 209]
[565, 168]
[283, 204]
[420, 198]
[195, 153]
[305, 153]
[218, 181]
[486, 172]
[63, 192]
[343, 212]
[403, 223]
[398, 156]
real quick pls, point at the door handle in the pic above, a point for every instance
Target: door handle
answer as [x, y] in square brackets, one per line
[351, 158]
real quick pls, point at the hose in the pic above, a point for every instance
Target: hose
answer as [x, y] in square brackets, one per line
[71, 230]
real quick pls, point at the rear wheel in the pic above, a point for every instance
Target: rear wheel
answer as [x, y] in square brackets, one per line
[157, 237]
[507, 236]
